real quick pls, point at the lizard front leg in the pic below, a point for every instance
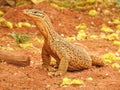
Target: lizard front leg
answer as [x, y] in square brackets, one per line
[63, 64]
[46, 59]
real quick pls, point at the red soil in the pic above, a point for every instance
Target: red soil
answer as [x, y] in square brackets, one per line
[33, 77]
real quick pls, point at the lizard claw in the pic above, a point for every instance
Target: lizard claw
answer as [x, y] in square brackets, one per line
[49, 68]
[57, 73]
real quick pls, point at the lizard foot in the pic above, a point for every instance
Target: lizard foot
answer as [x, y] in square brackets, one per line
[57, 73]
[49, 68]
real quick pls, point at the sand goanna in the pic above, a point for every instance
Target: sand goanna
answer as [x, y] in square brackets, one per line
[68, 56]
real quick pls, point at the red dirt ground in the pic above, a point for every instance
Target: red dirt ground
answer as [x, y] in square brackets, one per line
[33, 77]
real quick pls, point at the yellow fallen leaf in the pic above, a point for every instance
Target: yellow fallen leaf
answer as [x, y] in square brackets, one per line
[116, 43]
[89, 79]
[119, 71]
[56, 6]
[91, 1]
[115, 66]
[116, 21]
[39, 40]
[37, 1]
[66, 81]
[77, 82]
[118, 27]
[2, 19]
[26, 24]
[81, 35]
[26, 45]
[113, 36]
[93, 37]
[7, 48]
[107, 61]
[23, 24]
[1, 13]
[119, 50]
[117, 58]
[19, 25]
[81, 26]
[106, 28]
[9, 25]
[92, 13]
[109, 57]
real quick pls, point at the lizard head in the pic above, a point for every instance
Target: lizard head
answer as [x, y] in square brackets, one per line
[34, 13]
[40, 18]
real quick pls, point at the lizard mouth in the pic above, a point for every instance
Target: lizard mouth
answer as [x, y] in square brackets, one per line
[34, 12]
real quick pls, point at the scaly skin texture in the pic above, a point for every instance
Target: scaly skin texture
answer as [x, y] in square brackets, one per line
[68, 56]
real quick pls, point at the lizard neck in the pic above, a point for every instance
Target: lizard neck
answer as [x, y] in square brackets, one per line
[47, 30]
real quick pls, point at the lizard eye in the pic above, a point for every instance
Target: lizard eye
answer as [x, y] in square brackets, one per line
[40, 14]
[34, 12]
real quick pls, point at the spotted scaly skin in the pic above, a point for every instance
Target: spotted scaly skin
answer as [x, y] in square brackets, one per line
[67, 55]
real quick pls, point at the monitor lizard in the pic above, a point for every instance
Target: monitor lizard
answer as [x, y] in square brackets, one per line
[68, 56]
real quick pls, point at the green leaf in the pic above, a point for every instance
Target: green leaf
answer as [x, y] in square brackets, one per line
[20, 38]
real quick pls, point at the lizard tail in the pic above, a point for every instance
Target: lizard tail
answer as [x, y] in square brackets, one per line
[97, 61]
